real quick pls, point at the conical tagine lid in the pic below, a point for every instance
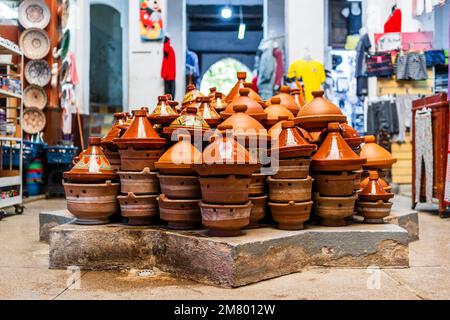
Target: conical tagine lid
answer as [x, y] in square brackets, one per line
[180, 158]
[287, 100]
[299, 97]
[318, 113]
[351, 136]
[254, 109]
[253, 95]
[140, 134]
[163, 113]
[335, 154]
[241, 76]
[377, 157]
[374, 191]
[244, 124]
[208, 113]
[190, 122]
[275, 111]
[291, 144]
[218, 103]
[115, 132]
[191, 95]
[93, 166]
[275, 131]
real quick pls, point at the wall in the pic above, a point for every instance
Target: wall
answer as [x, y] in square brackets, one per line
[274, 20]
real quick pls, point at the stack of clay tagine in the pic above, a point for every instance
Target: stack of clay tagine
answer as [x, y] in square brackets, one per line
[90, 189]
[164, 113]
[208, 113]
[225, 178]
[109, 148]
[275, 111]
[218, 102]
[334, 167]
[373, 201]
[254, 108]
[291, 187]
[180, 187]
[140, 147]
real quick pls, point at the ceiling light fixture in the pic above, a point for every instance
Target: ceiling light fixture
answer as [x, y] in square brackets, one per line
[242, 26]
[227, 13]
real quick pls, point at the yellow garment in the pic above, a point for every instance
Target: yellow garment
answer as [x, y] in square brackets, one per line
[311, 72]
[352, 42]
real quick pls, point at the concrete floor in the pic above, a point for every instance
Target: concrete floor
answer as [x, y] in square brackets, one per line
[25, 275]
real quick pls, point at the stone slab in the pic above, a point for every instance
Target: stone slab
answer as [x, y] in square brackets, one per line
[408, 220]
[49, 220]
[227, 262]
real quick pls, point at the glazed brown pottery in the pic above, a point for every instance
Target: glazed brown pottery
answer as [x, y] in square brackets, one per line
[180, 158]
[163, 113]
[335, 154]
[190, 123]
[219, 103]
[93, 166]
[299, 97]
[293, 169]
[225, 221]
[254, 109]
[113, 158]
[275, 111]
[137, 160]
[180, 214]
[286, 190]
[290, 143]
[341, 184]
[139, 183]
[287, 100]
[92, 204]
[241, 76]
[208, 113]
[258, 212]
[351, 136]
[374, 213]
[191, 95]
[253, 95]
[140, 134]
[180, 187]
[291, 216]
[225, 190]
[382, 182]
[377, 157]
[374, 191]
[115, 132]
[258, 184]
[334, 211]
[317, 114]
[358, 177]
[139, 210]
[244, 125]
[275, 131]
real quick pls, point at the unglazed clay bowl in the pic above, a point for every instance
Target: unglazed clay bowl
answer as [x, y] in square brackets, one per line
[180, 214]
[286, 190]
[180, 187]
[139, 210]
[374, 213]
[92, 204]
[291, 216]
[341, 184]
[139, 183]
[228, 190]
[293, 169]
[225, 221]
[137, 160]
[334, 211]
[258, 212]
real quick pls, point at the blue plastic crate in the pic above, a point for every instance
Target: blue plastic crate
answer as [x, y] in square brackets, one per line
[37, 148]
[27, 156]
[61, 154]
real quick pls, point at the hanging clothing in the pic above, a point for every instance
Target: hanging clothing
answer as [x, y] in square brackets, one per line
[379, 65]
[382, 115]
[72, 68]
[404, 105]
[169, 87]
[67, 106]
[423, 140]
[266, 75]
[421, 6]
[193, 67]
[312, 74]
[394, 23]
[362, 49]
[354, 22]
[169, 66]
[278, 55]
[435, 58]
[412, 66]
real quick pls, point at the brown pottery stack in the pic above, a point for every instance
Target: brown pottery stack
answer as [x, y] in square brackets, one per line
[109, 148]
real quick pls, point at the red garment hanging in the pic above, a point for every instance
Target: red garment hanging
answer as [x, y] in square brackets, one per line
[169, 66]
[394, 23]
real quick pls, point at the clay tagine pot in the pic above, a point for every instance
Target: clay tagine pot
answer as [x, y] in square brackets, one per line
[225, 156]
[351, 136]
[180, 214]
[275, 131]
[258, 184]
[137, 160]
[208, 113]
[291, 216]
[163, 113]
[382, 182]
[254, 109]
[374, 191]
[92, 204]
[275, 111]
[180, 187]
[377, 157]
[139, 210]
[334, 211]
[286, 100]
[192, 94]
[258, 213]
[335, 154]
[244, 125]
[253, 95]
[190, 122]
[286, 190]
[115, 132]
[340, 184]
[180, 158]
[225, 190]
[141, 134]
[225, 221]
[296, 168]
[93, 165]
[299, 97]
[290, 143]
[317, 114]
[218, 102]
[139, 183]
[374, 213]
[241, 76]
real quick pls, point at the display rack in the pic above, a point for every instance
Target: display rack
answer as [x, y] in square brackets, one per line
[10, 172]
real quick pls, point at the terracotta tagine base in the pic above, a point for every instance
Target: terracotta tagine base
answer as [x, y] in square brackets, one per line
[291, 216]
[334, 211]
[92, 204]
[374, 213]
[341, 184]
[287, 190]
[225, 221]
[139, 210]
[180, 214]
[139, 183]
[225, 191]
[258, 212]
[293, 169]
[208, 170]
[258, 185]
[358, 177]
[138, 160]
[180, 187]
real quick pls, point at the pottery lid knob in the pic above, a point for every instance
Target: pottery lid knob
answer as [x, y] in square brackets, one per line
[94, 141]
[370, 139]
[173, 103]
[198, 99]
[248, 85]
[334, 126]
[373, 175]
[240, 108]
[295, 91]
[275, 100]
[244, 92]
[213, 89]
[242, 75]
[288, 125]
[169, 96]
[219, 95]
[283, 118]
[318, 94]
[224, 127]
[206, 99]
[285, 89]
[163, 98]
[140, 113]
[120, 115]
[191, 110]
[190, 87]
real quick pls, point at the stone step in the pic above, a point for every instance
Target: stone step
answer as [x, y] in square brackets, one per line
[227, 262]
